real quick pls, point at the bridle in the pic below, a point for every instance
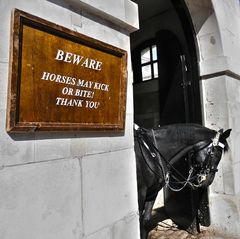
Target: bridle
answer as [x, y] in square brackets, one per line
[151, 146]
[206, 166]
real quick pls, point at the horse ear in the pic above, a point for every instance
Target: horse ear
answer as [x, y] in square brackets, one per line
[226, 133]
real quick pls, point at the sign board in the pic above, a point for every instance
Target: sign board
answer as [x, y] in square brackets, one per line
[61, 80]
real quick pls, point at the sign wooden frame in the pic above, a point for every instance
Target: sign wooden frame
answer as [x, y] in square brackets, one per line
[61, 80]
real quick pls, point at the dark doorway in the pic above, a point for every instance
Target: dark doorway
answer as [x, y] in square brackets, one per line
[160, 88]
[173, 108]
[166, 86]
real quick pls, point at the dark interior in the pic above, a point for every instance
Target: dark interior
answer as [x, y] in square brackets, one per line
[171, 96]
[166, 84]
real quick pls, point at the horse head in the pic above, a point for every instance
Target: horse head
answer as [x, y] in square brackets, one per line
[206, 157]
[174, 156]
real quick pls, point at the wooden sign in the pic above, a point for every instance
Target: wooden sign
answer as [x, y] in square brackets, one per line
[62, 80]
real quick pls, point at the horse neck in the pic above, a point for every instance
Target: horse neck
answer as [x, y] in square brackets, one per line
[174, 141]
[173, 151]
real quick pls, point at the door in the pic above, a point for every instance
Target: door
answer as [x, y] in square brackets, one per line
[175, 90]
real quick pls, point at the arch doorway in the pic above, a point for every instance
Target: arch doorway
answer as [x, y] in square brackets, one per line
[166, 88]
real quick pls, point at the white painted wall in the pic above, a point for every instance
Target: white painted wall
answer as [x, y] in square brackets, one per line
[69, 185]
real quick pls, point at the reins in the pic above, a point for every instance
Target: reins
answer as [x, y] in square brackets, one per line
[147, 143]
[142, 142]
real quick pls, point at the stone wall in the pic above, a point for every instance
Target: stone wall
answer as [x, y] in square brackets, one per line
[69, 185]
[219, 56]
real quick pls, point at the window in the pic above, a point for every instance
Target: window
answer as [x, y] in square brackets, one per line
[149, 65]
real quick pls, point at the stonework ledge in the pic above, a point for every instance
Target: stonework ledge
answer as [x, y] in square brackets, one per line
[123, 14]
[218, 66]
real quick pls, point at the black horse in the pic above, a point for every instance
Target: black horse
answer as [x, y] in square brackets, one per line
[158, 150]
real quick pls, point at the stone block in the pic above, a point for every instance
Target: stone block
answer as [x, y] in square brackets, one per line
[221, 15]
[228, 183]
[234, 141]
[213, 65]
[3, 102]
[218, 183]
[51, 147]
[110, 190]
[233, 65]
[4, 31]
[129, 100]
[14, 152]
[234, 111]
[131, 13]
[41, 201]
[226, 172]
[44, 9]
[125, 12]
[215, 107]
[3, 77]
[210, 46]
[105, 233]
[236, 170]
[103, 32]
[227, 19]
[108, 7]
[14, 148]
[233, 90]
[230, 41]
[106, 142]
[127, 228]
[224, 215]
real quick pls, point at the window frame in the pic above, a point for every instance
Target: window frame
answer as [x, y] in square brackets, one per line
[151, 62]
[137, 61]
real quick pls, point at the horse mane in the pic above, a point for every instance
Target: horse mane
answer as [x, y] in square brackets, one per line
[177, 138]
[188, 133]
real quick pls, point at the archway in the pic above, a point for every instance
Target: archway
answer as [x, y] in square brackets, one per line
[166, 84]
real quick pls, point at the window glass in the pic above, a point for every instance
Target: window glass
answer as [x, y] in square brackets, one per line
[146, 72]
[154, 52]
[149, 62]
[155, 70]
[145, 55]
